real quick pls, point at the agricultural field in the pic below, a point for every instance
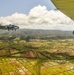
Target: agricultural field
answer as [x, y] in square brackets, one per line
[36, 54]
[37, 57]
[23, 66]
[52, 49]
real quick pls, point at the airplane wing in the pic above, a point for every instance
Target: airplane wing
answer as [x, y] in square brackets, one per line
[65, 6]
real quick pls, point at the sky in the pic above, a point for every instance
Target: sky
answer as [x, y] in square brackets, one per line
[8, 7]
[34, 14]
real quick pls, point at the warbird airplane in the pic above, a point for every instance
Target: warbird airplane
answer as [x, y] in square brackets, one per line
[9, 27]
[65, 6]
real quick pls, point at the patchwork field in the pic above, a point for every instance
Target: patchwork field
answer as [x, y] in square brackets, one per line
[37, 57]
[22, 53]
[22, 66]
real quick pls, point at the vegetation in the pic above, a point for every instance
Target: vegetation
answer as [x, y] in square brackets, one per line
[36, 54]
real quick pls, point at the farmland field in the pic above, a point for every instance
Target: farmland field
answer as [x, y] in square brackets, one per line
[23, 66]
[37, 57]
[23, 54]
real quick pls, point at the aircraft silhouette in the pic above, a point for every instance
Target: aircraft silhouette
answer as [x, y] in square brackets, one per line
[9, 27]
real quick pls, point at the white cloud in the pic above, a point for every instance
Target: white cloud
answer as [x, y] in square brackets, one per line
[40, 18]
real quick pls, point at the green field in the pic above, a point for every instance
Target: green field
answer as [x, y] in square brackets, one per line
[37, 57]
[22, 66]
[36, 53]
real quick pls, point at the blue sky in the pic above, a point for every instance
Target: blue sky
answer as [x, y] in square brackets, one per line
[33, 14]
[8, 7]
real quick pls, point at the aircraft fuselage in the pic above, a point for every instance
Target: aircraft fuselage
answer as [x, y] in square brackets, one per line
[9, 27]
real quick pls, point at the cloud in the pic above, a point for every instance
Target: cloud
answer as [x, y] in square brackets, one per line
[40, 18]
